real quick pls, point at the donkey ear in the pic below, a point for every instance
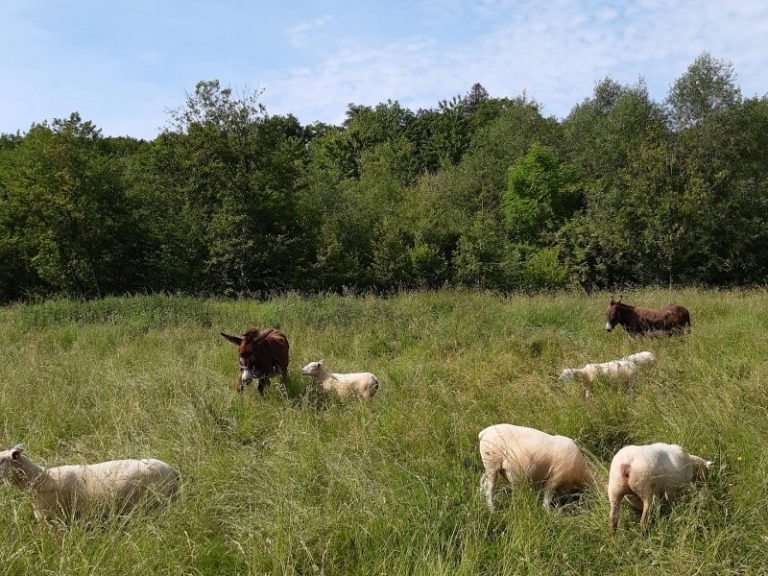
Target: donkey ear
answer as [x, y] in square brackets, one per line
[619, 300]
[236, 340]
[16, 451]
[612, 301]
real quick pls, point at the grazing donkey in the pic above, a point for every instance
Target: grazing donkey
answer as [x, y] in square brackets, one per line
[261, 354]
[672, 319]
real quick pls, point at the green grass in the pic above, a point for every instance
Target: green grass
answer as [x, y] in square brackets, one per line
[390, 487]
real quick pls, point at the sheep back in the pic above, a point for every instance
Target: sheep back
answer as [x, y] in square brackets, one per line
[641, 358]
[116, 486]
[533, 455]
[363, 384]
[617, 370]
[652, 470]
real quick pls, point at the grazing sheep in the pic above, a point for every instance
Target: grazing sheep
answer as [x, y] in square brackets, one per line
[69, 492]
[363, 384]
[614, 371]
[516, 452]
[643, 472]
[641, 358]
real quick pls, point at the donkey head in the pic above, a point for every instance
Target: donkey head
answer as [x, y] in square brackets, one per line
[612, 314]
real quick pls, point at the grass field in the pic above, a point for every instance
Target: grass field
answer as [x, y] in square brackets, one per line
[391, 487]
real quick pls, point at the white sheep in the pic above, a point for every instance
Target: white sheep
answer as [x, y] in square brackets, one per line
[363, 384]
[640, 358]
[69, 492]
[613, 371]
[643, 472]
[516, 452]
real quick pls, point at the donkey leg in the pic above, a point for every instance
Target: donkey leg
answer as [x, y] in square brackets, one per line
[263, 383]
[281, 385]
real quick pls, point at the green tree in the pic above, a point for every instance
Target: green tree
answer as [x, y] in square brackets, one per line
[717, 140]
[604, 137]
[482, 173]
[480, 256]
[538, 198]
[708, 86]
[72, 215]
[221, 185]
[17, 276]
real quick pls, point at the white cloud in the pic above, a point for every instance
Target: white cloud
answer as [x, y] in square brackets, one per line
[298, 35]
[554, 51]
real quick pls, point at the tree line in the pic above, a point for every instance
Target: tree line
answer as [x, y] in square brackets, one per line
[477, 191]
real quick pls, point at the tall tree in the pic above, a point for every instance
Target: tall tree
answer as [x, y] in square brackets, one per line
[603, 136]
[223, 180]
[708, 86]
[476, 97]
[539, 198]
[73, 213]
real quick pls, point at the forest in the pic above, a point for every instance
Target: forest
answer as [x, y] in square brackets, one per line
[479, 191]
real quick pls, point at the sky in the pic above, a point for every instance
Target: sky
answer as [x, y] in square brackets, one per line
[125, 64]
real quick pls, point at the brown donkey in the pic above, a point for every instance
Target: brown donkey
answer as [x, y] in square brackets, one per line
[672, 319]
[261, 354]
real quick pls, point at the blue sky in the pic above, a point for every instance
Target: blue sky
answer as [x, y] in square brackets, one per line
[124, 64]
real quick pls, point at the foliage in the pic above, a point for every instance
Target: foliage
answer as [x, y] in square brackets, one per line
[221, 186]
[538, 199]
[66, 212]
[707, 87]
[476, 191]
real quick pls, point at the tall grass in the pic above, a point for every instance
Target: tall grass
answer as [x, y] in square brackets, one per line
[391, 487]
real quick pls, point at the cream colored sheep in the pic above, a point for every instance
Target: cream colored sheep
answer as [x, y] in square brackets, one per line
[516, 452]
[69, 492]
[363, 384]
[614, 371]
[642, 473]
[640, 358]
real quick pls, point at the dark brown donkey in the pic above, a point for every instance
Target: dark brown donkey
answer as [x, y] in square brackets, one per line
[672, 319]
[261, 354]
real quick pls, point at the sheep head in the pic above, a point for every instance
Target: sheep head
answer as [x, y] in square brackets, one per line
[313, 368]
[7, 461]
[566, 375]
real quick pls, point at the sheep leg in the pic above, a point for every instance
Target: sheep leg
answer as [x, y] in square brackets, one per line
[613, 518]
[636, 501]
[646, 510]
[549, 494]
[487, 482]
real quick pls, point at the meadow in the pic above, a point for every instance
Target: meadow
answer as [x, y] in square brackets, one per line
[316, 486]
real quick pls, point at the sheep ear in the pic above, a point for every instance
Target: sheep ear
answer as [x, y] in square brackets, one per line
[320, 361]
[709, 464]
[236, 340]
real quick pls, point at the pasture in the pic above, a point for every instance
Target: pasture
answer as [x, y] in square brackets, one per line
[390, 486]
